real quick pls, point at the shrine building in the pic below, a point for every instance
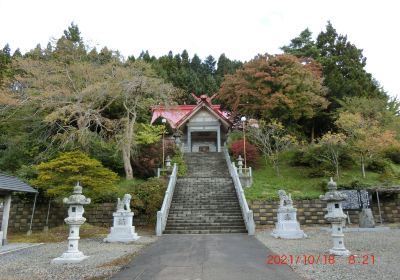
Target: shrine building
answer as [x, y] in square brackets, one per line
[197, 128]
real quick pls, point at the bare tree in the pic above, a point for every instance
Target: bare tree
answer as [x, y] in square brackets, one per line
[271, 139]
[332, 145]
[82, 101]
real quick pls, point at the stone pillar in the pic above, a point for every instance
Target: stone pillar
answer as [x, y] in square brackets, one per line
[366, 218]
[6, 216]
[189, 140]
[219, 139]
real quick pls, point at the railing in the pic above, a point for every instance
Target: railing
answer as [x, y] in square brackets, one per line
[244, 172]
[162, 172]
[247, 213]
[162, 215]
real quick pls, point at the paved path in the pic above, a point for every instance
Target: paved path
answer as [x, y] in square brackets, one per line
[205, 257]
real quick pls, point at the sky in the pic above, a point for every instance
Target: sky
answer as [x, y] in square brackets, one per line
[240, 29]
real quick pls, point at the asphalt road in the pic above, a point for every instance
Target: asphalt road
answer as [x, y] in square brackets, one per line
[205, 257]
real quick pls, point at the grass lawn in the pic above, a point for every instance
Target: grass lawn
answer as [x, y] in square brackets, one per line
[295, 180]
[57, 234]
[126, 186]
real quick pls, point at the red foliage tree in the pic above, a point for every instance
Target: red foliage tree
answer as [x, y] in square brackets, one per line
[149, 158]
[252, 155]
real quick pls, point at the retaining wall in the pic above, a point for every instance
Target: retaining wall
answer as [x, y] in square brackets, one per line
[21, 211]
[311, 212]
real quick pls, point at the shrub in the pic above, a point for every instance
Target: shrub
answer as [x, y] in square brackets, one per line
[148, 196]
[149, 158]
[57, 177]
[106, 153]
[354, 185]
[346, 160]
[321, 171]
[234, 136]
[252, 155]
[308, 156]
[379, 165]
[393, 154]
[179, 160]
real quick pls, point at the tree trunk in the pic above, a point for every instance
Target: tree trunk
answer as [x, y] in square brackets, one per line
[313, 132]
[127, 145]
[126, 156]
[363, 166]
[337, 169]
[277, 170]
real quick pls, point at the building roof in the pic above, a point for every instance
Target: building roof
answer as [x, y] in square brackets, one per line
[10, 183]
[177, 115]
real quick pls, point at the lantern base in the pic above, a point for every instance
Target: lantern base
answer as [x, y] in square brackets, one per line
[339, 252]
[69, 257]
[122, 234]
[288, 230]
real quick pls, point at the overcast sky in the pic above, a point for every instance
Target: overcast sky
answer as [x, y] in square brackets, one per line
[240, 29]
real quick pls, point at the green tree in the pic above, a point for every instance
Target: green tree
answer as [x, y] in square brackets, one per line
[70, 47]
[343, 64]
[302, 46]
[226, 66]
[73, 34]
[58, 176]
[5, 64]
[369, 127]
[209, 64]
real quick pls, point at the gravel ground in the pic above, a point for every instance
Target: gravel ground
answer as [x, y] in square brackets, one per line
[384, 246]
[105, 259]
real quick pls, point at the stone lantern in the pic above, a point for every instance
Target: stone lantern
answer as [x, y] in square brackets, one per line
[168, 162]
[74, 220]
[336, 217]
[177, 137]
[240, 165]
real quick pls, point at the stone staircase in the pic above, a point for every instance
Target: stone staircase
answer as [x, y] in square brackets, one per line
[205, 199]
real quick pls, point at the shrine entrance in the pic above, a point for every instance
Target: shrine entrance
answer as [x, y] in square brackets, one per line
[204, 141]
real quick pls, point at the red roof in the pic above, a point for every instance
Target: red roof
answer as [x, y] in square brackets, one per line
[177, 115]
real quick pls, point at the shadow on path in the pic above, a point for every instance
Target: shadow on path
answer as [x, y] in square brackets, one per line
[205, 257]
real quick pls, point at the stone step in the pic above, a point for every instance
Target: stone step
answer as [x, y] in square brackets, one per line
[229, 229]
[192, 210]
[206, 219]
[205, 200]
[201, 203]
[188, 217]
[205, 210]
[199, 223]
[222, 204]
[205, 231]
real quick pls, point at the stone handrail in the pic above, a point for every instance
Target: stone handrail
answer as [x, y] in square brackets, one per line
[246, 171]
[162, 215]
[247, 213]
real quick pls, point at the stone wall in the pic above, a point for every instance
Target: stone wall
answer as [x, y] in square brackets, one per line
[311, 212]
[21, 211]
